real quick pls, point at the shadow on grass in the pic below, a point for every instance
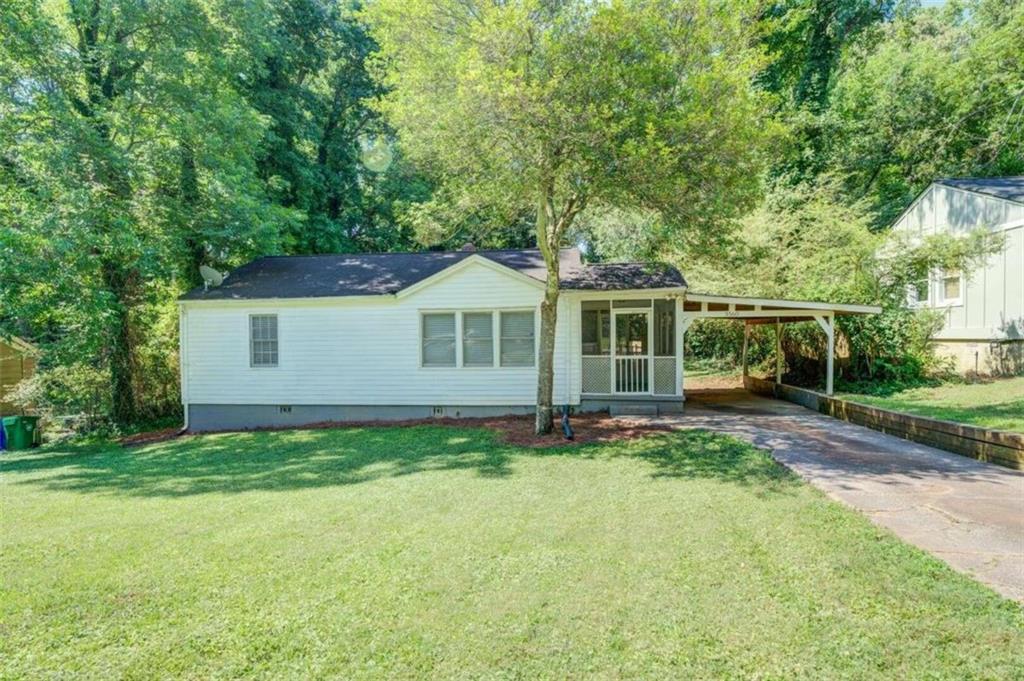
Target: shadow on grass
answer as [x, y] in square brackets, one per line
[299, 459]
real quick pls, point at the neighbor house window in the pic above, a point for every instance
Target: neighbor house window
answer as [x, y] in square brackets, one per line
[477, 339]
[263, 340]
[517, 339]
[952, 287]
[439, 340]
[920, 292]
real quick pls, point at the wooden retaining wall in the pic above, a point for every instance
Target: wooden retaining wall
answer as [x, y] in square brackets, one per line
[995, 446]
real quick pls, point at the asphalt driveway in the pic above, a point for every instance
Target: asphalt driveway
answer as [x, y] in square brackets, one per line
[966, 512]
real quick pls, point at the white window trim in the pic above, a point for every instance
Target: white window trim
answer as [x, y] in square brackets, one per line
[496, 338]
[912, 298]
[536, 338]
[248, 321]
[950, 302]
[458, 344]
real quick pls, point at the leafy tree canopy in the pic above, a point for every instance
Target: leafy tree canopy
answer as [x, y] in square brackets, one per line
[556, 108]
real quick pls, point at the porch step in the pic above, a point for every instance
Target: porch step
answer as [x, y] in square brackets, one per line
[632, 409]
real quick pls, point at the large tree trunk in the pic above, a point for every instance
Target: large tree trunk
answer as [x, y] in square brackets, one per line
[120, 346]
[551, 226]
[548, 239]
[546, 362]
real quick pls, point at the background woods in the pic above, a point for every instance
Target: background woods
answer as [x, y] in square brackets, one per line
[763, 147]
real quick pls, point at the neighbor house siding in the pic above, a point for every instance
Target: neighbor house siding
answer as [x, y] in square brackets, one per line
[361, 351]
[15, 364]
[992, 307]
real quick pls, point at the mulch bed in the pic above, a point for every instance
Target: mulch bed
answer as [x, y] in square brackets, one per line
[515, 430]
[149, 437]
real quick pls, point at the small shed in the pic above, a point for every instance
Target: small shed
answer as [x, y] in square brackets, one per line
[17, 361]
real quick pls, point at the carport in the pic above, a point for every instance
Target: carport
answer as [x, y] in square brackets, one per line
[755, 311]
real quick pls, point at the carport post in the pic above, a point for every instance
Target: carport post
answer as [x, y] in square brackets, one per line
[828, 325]
[746, 343]
[778, 351]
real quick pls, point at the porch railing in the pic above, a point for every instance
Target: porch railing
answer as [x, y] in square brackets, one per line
[633, 375]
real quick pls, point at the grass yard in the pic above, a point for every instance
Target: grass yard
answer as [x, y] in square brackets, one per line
[996, 404]
[441, 552]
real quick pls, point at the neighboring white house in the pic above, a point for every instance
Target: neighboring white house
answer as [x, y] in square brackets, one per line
[299, 339]
[984, 312]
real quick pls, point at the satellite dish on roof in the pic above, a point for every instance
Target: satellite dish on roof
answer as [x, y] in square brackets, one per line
[211, 277]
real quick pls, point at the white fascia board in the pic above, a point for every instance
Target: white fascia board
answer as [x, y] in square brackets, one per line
[322, 301]
[474, 259]
[794, 305]
[623, 294]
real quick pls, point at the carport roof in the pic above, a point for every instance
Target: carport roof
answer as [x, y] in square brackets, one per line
[763, 310]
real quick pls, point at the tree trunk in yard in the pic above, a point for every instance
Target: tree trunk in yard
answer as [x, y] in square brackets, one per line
[551, 225]
[546, 365]
[120, 339]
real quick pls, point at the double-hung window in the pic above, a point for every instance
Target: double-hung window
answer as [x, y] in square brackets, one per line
[952, 287]
[517, 339]
[919, 293]
[439, 339]
[477, 339]
[263, 340]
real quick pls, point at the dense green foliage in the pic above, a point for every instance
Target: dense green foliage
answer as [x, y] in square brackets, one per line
[807, 245]
[878, 99]
[140, 139]
[435, 552]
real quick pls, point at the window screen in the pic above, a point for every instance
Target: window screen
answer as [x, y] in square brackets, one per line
[595, 322]
[439, 340]
[664, 328]
[517, 345]
[477, 339]
[263, 340]
[951, 285]
[919, 292]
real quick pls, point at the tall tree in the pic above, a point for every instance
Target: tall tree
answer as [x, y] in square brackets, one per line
[804, 41]
[560, 107]
[310, 80]
[939, 93]
[122, 137]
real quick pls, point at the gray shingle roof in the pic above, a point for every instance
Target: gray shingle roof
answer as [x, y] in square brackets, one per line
[1009, 188]
[364, 274]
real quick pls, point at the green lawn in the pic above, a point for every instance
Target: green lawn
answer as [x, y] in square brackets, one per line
[996, 404]
[434, 551]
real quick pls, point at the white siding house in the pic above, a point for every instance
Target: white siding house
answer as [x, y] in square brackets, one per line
[984, 311]
[298, 340]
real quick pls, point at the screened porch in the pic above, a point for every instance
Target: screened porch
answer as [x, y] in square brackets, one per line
[628, 347]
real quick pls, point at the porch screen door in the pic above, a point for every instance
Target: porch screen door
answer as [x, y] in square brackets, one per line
[632, 364]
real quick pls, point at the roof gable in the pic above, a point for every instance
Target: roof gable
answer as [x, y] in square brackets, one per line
[473, 260]
[1006, 188]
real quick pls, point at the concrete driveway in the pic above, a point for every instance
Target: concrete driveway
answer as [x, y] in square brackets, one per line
[968, 513]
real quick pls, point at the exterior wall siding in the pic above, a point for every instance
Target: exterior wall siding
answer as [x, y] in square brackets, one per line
[364, 352]
[992, 307]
